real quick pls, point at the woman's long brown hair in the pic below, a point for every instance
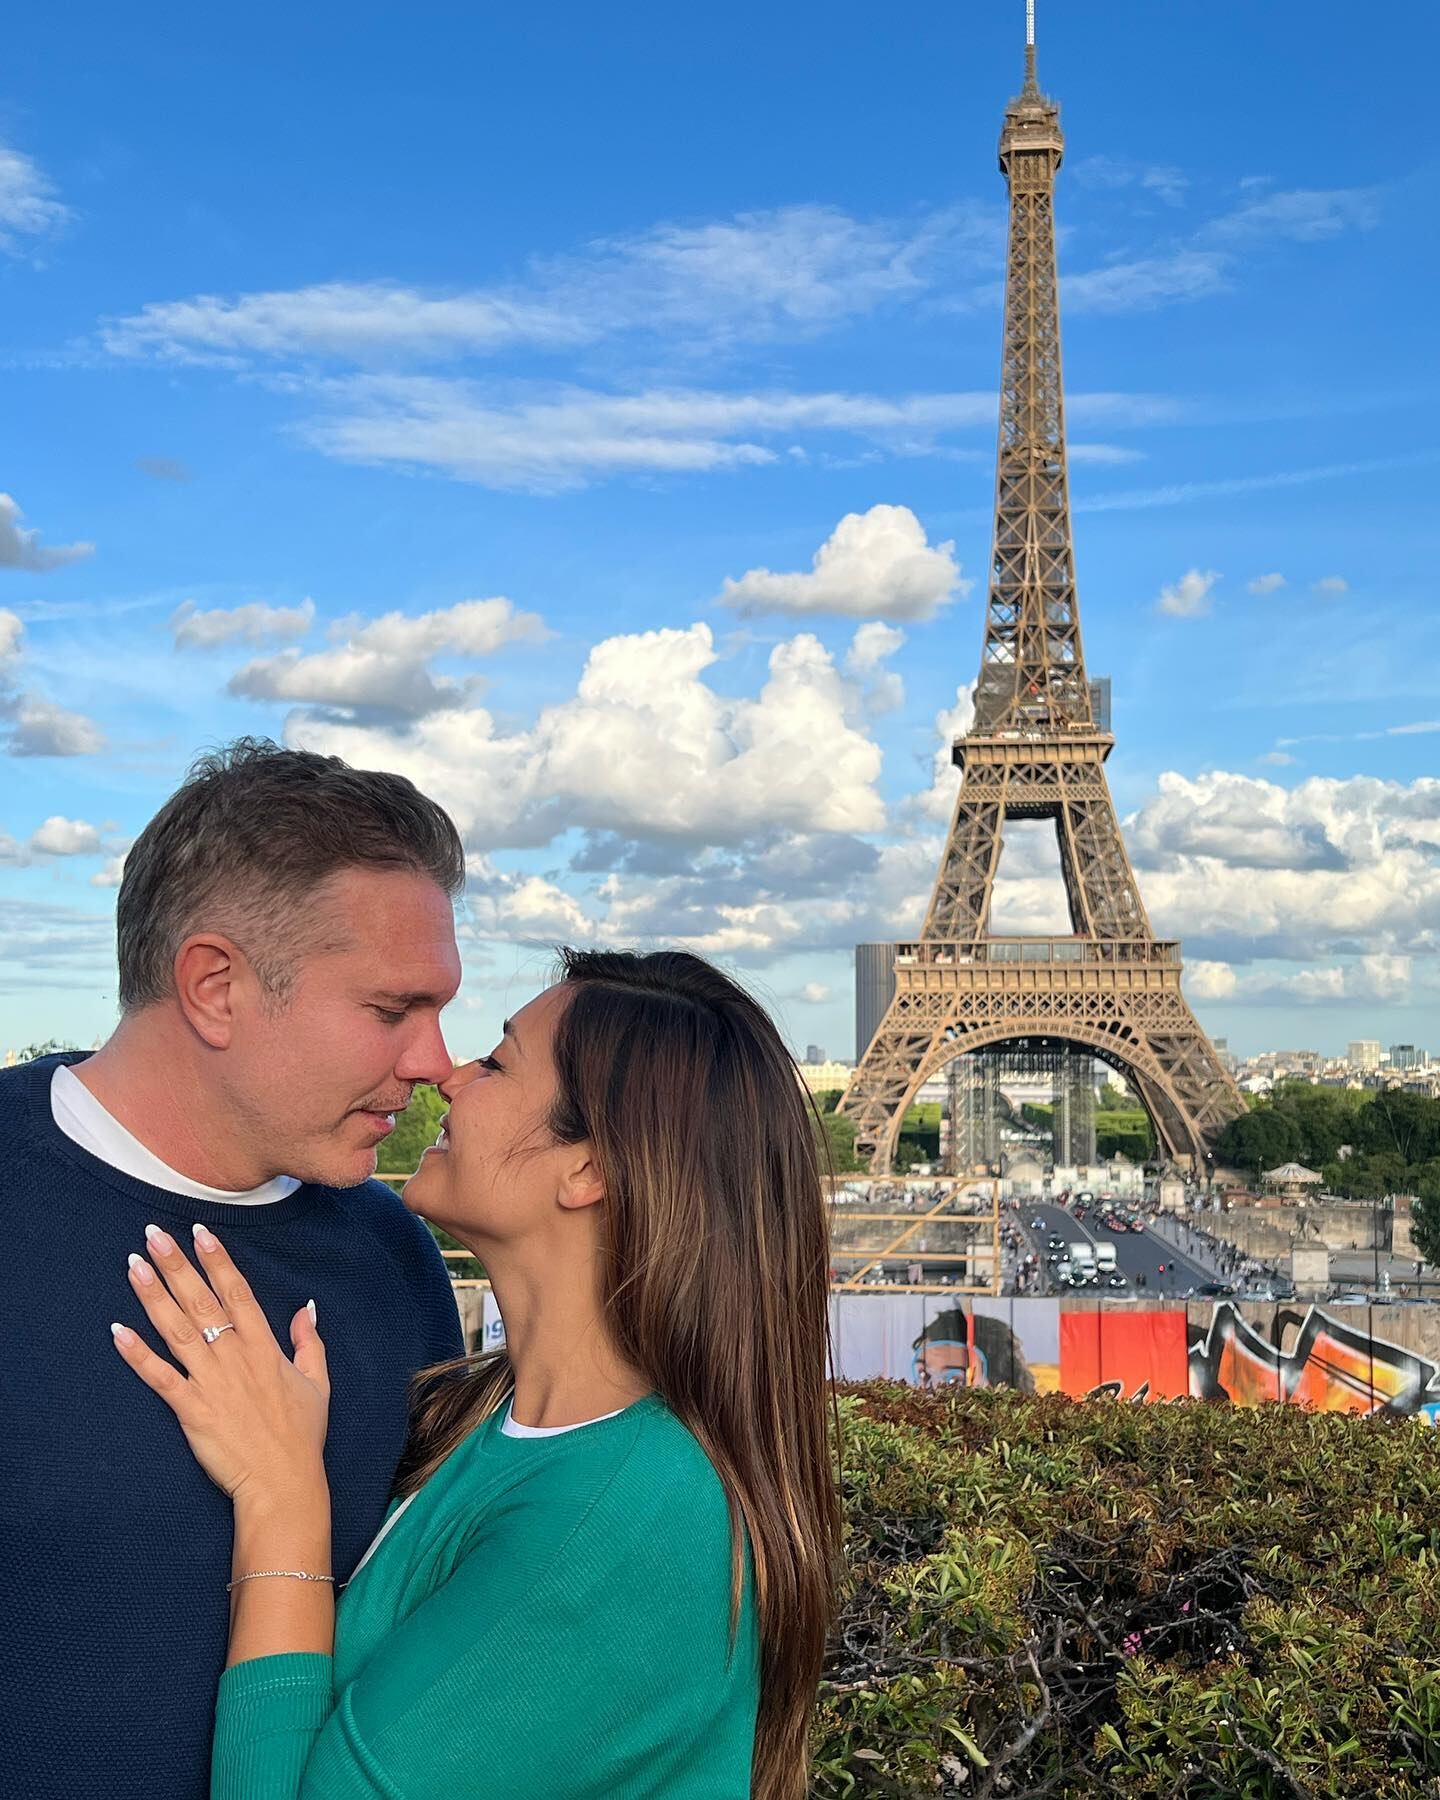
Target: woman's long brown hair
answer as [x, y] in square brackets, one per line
[716, 1286]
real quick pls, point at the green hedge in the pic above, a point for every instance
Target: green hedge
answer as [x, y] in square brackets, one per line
[1061, 1598]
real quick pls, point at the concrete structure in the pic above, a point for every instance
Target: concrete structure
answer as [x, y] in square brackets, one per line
[1310, 1268]
[1172, 1195]
[874, 990]
[1406, 1056]
[1363, 1055]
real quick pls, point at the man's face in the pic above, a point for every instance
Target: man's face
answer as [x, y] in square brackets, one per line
[318, 1077]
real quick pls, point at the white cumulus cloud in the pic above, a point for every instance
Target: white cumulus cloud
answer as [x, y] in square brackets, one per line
[874, 563]
[1332, 584]
[469, 628]
[1265, 584]
[871, 645]
[1210, 980]
[646, 748]
[28, 207]
[31, 724]
[870, 648]
[22, 549]
[59, 836]
[255, 623]
[56, 836]
[1189, 597]
[383, 665]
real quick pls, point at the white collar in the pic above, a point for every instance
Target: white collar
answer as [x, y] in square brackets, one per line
[87, 1123]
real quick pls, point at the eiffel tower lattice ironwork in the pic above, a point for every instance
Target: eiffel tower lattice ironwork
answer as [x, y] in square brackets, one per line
[1035, 751]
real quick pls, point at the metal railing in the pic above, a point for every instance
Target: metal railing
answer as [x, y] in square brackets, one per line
[1050, 951]
[893, 1244]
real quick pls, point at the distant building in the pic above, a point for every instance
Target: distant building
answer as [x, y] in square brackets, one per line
[814, 1053]
[1406, 1056]
[1363, 1055]
[822, 1077]
[874, 989]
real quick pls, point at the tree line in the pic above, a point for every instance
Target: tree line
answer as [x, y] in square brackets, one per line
[1365, 1144]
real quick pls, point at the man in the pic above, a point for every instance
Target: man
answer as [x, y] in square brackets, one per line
[286, 943]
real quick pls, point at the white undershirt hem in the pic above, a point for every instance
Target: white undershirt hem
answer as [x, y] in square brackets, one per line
[87, 1123]
[509, 1428]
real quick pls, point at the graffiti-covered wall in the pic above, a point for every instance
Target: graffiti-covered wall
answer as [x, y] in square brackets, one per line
[1348, 1359]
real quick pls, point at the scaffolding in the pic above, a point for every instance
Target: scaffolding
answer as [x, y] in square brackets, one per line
[976, 1110]
[922, 1234]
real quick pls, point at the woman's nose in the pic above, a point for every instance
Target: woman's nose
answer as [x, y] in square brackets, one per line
[459, 1077]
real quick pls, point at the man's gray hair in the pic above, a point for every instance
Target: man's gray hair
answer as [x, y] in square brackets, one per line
[242, 847]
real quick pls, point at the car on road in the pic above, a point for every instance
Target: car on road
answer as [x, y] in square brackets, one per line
[1348, 1300]
[1116, 1280]
[1210, 1290]
[1054, 1241]
[1037, 1224]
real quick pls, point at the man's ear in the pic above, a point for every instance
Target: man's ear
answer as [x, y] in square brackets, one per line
[207, 969]
[581, 1185]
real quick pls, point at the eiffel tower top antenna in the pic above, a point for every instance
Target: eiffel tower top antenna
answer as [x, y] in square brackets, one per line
[1031, 85]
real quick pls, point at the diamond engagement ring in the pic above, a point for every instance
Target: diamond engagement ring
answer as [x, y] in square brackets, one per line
[211, 1332]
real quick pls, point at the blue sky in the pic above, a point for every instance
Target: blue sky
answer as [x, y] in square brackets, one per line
[473, 394]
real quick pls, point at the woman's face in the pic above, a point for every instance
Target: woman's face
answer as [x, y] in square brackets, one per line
[496, 1176]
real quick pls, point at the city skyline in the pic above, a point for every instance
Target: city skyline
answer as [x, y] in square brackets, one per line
[638, 518]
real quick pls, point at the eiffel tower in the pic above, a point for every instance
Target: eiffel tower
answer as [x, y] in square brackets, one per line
[1035, 751]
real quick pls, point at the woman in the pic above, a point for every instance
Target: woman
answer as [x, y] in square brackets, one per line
[608, 1572]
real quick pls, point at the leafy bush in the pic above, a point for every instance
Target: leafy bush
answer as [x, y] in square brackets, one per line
[1061, 1598]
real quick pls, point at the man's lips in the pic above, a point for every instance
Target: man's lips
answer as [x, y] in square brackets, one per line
[382, 1118]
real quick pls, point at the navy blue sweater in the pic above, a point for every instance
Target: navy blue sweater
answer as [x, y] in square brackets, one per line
[114, 1546]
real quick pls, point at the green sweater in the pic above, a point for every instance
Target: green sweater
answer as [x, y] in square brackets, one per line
[548, 1621]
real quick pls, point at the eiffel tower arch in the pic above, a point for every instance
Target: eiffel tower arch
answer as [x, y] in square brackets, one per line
[1036, 751]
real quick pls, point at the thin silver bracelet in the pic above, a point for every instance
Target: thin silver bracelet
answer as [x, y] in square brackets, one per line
[290, 1574]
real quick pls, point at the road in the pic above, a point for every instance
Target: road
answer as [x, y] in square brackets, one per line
[1136, 1252]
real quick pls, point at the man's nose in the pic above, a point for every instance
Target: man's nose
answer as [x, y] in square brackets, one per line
[426, 1057]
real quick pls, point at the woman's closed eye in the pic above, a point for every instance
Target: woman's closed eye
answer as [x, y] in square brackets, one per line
[490, 1063]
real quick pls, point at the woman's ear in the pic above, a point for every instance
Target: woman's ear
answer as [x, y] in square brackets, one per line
[580, 1185]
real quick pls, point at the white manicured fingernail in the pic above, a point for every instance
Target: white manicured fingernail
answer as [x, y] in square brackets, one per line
[205, 1239]
[310, 1308]
[122, 1334]
[142, 1270]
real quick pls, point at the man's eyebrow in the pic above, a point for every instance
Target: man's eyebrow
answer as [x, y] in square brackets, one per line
[387, 997]
[508, 1030]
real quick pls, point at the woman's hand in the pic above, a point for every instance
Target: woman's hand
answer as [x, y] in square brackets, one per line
[255, 1419]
